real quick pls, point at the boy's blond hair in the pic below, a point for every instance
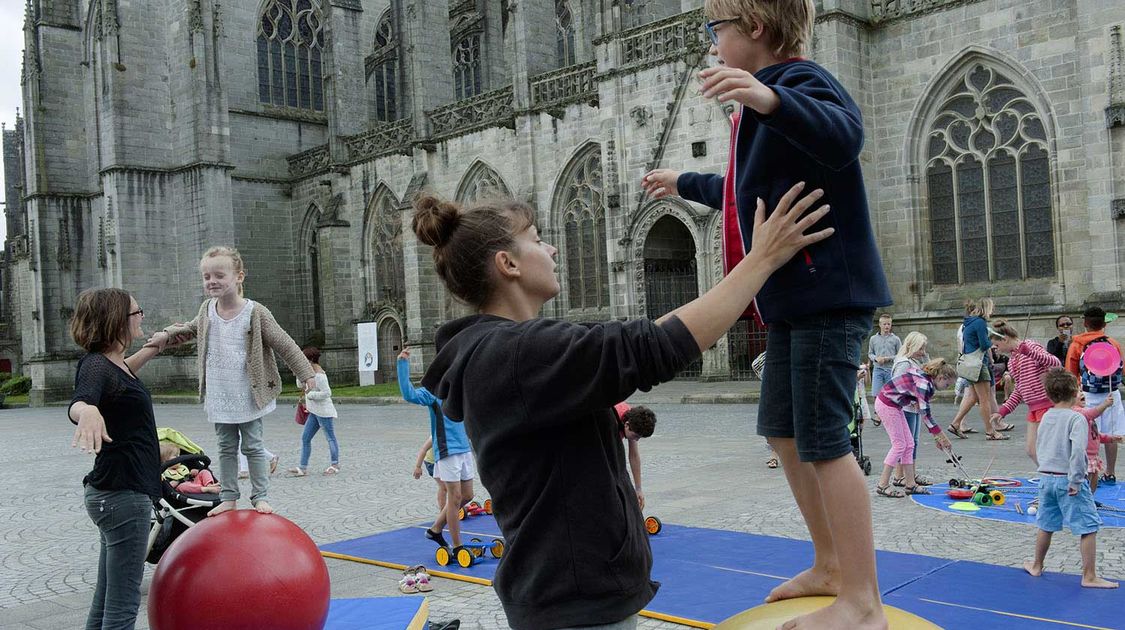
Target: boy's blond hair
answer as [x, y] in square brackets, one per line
[788, 24]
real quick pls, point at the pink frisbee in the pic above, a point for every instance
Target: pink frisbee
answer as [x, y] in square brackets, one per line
[1102, 359]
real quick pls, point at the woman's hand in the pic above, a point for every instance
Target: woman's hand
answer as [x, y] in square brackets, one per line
[405, 354]
[91, 433]
[661, 183]
[310, 384]
[779, 237]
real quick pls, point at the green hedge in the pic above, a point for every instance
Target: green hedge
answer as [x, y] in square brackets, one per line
[16, 386]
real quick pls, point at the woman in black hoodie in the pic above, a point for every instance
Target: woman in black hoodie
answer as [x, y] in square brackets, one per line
[537, 399]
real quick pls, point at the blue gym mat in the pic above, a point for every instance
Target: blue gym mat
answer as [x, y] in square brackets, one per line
[1112, 499]
[707, 575]
[377, 613]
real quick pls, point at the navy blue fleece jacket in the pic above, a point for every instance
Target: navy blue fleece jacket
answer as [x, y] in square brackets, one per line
[814, 136]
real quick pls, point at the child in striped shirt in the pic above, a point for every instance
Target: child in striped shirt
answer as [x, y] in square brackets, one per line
[913, 387]
[1028, 364]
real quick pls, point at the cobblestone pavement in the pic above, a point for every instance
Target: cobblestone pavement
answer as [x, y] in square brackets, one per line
[704, 467]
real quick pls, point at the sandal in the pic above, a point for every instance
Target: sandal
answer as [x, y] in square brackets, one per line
[969, 430]
[1007, 426]
[917, 490]
[422, 579]
[408, 584]
[772, 462]
[889, 492]
[996, 437]
[922, 480]
[273, 463]
[332, 470]
[898, 482]
[297, 472]
[956, 431]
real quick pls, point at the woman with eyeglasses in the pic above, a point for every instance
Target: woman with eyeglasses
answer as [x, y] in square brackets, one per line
[113, 411]
[1059, 345]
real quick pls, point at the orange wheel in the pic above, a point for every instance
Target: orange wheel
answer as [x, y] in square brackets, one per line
[442, 556]
[497, 548]
[477, 551]
[488, 506]
[653, 525]
[461, 514]
[465, 557]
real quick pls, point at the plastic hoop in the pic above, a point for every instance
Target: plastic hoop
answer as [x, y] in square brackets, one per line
[1002, 482]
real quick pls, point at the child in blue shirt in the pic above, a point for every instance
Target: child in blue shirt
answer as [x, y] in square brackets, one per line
[454, 465]
[795, 123]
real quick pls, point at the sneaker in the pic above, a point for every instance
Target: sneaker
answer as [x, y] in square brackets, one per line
[436, 537]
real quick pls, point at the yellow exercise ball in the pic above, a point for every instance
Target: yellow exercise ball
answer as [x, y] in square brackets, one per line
[770, 616]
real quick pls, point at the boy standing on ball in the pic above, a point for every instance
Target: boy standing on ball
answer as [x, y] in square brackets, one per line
[796, 124]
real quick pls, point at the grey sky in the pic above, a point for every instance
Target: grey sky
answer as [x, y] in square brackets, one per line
[11, 54]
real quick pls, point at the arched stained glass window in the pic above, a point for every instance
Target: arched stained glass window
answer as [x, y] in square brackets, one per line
[582, 210]
[466, 67]
[564, 34]
[385, 244]
[988, 183]
[382, 70]
[290, 42]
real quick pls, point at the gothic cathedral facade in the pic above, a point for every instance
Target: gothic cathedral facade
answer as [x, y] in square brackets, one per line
[299, 130]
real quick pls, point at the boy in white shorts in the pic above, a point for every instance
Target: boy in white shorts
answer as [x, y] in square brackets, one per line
[454, 465]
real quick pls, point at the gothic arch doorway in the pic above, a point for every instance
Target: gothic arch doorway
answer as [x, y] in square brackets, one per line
[671, 277]
[390, 344]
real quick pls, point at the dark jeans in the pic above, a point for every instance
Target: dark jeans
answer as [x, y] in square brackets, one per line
[123, 518]
[808, 385]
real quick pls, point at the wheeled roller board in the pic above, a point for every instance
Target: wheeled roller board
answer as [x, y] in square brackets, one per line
[469, 553]
[472, 508]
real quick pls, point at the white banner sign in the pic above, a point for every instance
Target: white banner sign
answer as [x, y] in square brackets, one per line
[368, 341]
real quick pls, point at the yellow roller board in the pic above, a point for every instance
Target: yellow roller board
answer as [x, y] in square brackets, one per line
[774, 614]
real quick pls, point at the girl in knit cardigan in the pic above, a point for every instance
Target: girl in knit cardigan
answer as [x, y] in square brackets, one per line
[238, 375]
[1028, 365]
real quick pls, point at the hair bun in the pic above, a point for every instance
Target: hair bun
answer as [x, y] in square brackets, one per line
[435, 219]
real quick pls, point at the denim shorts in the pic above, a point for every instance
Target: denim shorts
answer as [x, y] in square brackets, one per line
[1057, 508]
[809, 381]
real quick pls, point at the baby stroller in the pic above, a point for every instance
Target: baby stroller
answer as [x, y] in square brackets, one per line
[855, 430]
[176, 511]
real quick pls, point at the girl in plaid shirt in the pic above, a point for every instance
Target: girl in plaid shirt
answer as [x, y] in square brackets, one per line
[913, 387]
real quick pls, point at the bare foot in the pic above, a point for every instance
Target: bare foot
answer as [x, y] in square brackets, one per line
[840, 614]
[1097, 582]
[811, 581]
[1032, 569]
[225, 506]
[263, 507]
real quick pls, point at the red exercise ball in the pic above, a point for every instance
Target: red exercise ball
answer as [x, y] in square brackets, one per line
[240, 569]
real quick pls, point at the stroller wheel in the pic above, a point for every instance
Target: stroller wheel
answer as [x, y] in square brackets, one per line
[954, 483]
[866, 466]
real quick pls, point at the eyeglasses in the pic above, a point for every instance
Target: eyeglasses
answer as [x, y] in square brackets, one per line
[710, 28]
[1066, 324]
[139, 311]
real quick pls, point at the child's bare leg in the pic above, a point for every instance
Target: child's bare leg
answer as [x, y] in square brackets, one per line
[1090, 577]
[1032, 434]
[466, 491]
[1111, 458]
[1034, 567]
[843, 495]
[898, 473]
[823, 578]
[441, 499]
[1093, 477]
[452, 506]
[910, 477]
[967, 402]
[885, 478]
